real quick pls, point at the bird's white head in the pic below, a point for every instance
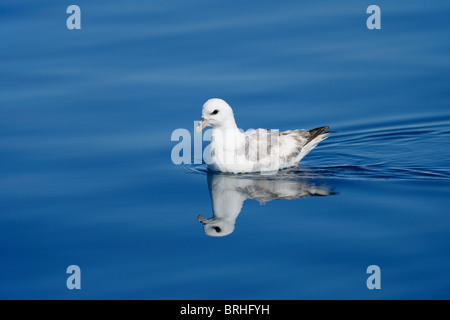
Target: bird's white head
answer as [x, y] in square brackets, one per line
[216, 113]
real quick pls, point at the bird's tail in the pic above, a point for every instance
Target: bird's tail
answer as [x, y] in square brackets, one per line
[316, 135]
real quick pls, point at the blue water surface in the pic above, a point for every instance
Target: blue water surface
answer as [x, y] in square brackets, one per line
[86, 176]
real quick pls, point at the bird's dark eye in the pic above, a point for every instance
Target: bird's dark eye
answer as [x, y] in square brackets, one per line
[215, 112]
[217, 229]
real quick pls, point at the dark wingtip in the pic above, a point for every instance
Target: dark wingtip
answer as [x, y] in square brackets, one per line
[314, 133]
[324, 129]
[318, 131]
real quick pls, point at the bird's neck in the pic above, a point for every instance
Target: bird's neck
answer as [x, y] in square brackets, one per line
[228, 126]
[226, 138]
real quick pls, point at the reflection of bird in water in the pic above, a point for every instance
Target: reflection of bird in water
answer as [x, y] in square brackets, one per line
[228, 193]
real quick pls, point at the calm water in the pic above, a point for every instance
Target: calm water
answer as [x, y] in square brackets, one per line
[86, 176]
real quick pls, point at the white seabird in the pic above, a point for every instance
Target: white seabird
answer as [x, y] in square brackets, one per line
[260, 150]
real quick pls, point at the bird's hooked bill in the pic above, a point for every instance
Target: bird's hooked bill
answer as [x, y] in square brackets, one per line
[202, 220]
[201, 125]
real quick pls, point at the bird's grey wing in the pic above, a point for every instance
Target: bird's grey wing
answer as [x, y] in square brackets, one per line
[260, 144]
